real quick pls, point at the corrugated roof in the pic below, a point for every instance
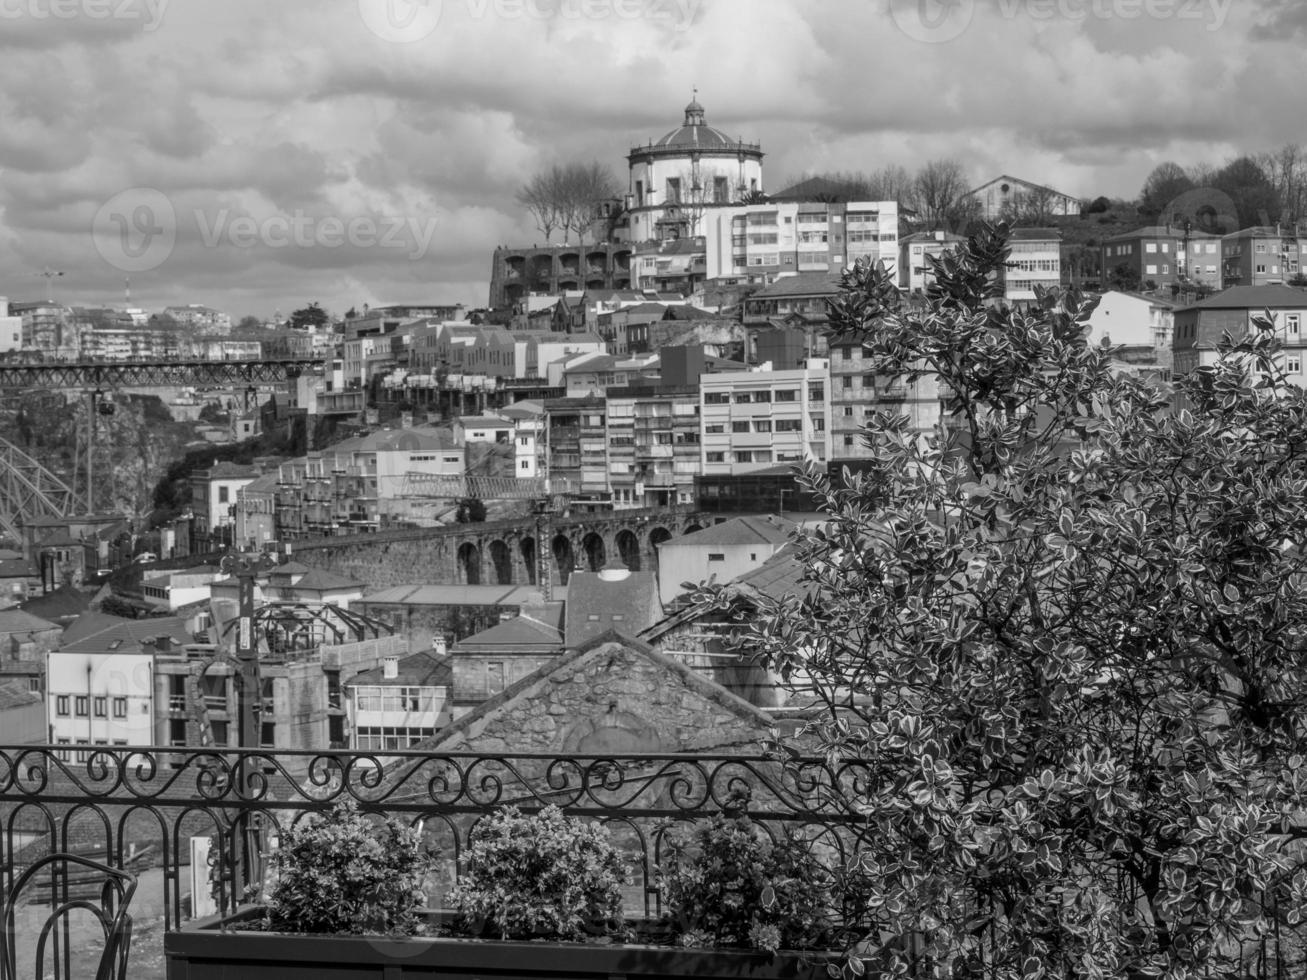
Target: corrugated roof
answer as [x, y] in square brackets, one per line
[1254, 298]
[738, 530]
[21, 621]
[521, 634]
[801, 284]
[323, 581]
[424, 669]
[96, 632]
[460, 595]
[778, 576]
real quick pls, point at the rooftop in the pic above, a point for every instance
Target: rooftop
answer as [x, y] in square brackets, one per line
[800, 284]
[612, 599]
[424, 669]
[738, 530]
[1254, 298]
[459, 595]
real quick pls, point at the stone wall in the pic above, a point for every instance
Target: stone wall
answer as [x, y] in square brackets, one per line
[611, 699]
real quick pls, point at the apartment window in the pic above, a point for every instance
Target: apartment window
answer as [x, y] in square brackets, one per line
[818, 424]
[789, 425]
[101, 707]
[1293, 364]
[740, 426]
[1291, 322]
[1150, 270]
[1150, 247]
[848, 440]
[494, 677]
[120, 707]
[714, 430]
[716, 398]
[762, 425]
[1261, 248]
[762, 397]
[744, 456]
[222, 495]
[816, 393]
[848, 410]
[61, 705]
[81, 706]
[787, 395]
[716, 556]
[716, 457]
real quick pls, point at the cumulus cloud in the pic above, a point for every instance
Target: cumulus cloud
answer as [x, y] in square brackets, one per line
[301, 119]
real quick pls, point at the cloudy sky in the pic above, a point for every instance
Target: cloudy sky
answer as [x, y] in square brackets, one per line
[254, 155]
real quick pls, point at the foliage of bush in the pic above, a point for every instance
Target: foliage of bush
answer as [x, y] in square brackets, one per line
[728, 885]
[344, 873]
[540, 875]
[1061, 640]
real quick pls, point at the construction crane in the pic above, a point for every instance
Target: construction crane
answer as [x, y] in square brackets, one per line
[49, 275]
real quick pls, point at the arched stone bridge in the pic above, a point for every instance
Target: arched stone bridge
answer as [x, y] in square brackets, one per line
[502, 552]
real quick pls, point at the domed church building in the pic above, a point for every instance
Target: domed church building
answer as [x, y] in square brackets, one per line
[675, 179]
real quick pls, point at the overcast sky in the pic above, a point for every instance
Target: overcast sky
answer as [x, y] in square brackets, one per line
[255, 155]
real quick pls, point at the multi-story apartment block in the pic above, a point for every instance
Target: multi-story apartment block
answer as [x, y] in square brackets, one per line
[1163, 254]
[100, 681]
[675, 266]
[216, 348]
[256, 513]
[1199, 328]
[653, 445]
[857, 393]
[1035, 260]
[48, 328]
[593, 374]
[685, 176]
[750, 420]
[763, 241]
[200, 319]
[358, 484]
[400, 703]
[213, 497]
[800, 300]
[1262, 256]
[914, 271]
[577, 439]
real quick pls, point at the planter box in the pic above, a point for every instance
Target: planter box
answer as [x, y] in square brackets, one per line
[217, 949]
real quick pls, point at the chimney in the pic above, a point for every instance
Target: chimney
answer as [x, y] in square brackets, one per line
[390, 668]
[438, 645]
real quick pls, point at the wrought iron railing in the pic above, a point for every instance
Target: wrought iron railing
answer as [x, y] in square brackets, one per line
[123, 801]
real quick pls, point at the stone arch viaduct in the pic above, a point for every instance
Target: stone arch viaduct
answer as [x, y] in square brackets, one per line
[502, 552]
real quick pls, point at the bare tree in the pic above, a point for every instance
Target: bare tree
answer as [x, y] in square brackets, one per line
[568, 198]
[540, 198]
[1167, 182]
[1032, 208]
[1286, 168]
[940, 195]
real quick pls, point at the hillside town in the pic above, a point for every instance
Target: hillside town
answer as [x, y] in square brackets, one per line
[913, 546]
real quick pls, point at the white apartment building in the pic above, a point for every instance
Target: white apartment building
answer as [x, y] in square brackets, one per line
[1036, 260]
[400, 703]
[750, 420]
[763, 241]
[11, 328]
[100, 699]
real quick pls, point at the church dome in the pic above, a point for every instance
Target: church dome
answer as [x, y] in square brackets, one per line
[694, 134]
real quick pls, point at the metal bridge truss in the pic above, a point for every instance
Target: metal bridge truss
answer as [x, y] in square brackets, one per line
[162, 374]
[28, 491]
[428, 485]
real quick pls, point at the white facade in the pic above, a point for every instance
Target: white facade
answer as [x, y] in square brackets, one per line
[769, 240]
[1126, 320]
[221, 502]
[751, 420]
[11, 328]
[390, 715]
[100, 698]
[680, 562]
[1033, 262]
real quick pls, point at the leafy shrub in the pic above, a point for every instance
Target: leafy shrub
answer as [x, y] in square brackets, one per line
[343, 873]
[540, 874]
[730, 886]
